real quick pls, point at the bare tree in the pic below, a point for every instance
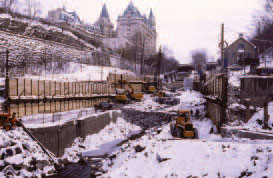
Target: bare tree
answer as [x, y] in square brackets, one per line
[32, 8]
[8, 5]
[263, 35]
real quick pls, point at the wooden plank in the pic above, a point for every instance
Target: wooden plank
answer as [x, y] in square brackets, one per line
[53, 108]
[13, 87]
[47, 88]
[66, 88]
[58, 105]
[35, 108]
[70, 88]
[28, 109]
[58, 88]
[62, 88]
[74, 104]
[21, 110]
[35, 87]
[77, 88]
[53, 88]
[83, 89]
[27, 87]
[41, 88]
[62, 106]
[21, 87]
[70, 105]
[41, 107]
[47, 107]
[66, 106]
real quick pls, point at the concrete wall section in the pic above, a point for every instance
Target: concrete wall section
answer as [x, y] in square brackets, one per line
[257, 89]
[57, 138]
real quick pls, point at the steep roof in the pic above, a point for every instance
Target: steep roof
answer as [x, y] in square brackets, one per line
[104, 12]
[131, 9]
[151, 14]
[241, 38]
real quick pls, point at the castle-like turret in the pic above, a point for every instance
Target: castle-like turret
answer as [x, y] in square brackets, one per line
[152, 20]
[106, 26]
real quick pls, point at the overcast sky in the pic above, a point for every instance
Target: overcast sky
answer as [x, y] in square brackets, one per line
[182, 25]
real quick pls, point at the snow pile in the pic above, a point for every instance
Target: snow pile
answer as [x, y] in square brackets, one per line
[163, 157]
[5, 16]
[21, 156]
[83, 72]
[235, 76]
[2, 81]
[189, 100]
[256, 121]
[236, 106]
[103, 142]
[147, 104]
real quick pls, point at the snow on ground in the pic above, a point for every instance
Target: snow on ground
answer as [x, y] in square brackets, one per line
[253, 124]
[21, 156]
[103, 142]
[80, 72]
[53, 119]
[207, 157]
[189, 100]
[235, 76]
[2, 81]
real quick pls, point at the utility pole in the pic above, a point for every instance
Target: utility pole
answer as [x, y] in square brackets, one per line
[7, 82]
[159, 68]
[222, 46]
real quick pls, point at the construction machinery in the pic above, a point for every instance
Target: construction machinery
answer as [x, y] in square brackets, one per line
[182, 127]
[131, 93]
[149, 89]
[121, 96]
[7, 121]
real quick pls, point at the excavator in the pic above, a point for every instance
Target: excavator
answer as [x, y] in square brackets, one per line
[182, 127]
[131, 93]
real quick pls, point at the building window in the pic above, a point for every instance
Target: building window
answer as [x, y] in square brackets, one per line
[233, 55]
[241, 48]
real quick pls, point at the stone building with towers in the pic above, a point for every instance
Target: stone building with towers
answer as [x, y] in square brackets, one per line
[133, 30]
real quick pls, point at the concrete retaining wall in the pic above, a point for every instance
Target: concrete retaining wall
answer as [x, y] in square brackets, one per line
[257, 89]
[57, 138]
[243, 133]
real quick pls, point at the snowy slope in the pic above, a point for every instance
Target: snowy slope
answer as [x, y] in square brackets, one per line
[103, 142]
[209, 157]
[80, 72]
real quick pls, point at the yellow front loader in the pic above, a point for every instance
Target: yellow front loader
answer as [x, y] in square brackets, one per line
[182, 127]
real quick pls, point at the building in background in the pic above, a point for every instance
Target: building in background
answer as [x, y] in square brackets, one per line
[133, 30]
[241, 52]
[60, 15]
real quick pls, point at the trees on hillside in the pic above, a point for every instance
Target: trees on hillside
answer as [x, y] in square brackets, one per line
[263, 32]
[8, 4]
[32, 8]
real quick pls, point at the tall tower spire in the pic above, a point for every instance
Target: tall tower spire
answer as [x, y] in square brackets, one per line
[104, 12]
